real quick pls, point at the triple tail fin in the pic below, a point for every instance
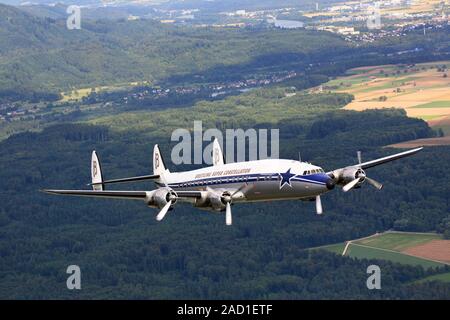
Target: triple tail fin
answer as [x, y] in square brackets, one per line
[159, 168]
[217, 154]
[96, 173]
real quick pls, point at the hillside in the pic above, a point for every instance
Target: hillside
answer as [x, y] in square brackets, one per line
[125, 253]
[119, 87]
[103, 53]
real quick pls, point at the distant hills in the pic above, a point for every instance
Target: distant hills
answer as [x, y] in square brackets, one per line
[209, 5]
[47, 2]
[41, 54]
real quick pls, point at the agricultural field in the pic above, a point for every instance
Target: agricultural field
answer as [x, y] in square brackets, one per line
[444, 277]
[424, 249]
[423, 90]
[362, 252]
[422, 6]
[427, 142]
[77, 95]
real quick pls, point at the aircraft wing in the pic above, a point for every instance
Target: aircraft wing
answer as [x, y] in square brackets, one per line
[376, 162]
[135, 195]
[189, 194]
[132, 179]
[353, 176]
[101, 194]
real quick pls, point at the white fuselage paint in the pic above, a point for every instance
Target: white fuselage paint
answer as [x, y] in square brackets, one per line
[265, 177]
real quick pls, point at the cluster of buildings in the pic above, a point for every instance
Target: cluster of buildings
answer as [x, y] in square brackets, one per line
[213, 90]
[10, 112]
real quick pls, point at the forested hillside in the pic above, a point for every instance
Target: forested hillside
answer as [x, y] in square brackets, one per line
[40, 57]
[124, 253]
[41, 54]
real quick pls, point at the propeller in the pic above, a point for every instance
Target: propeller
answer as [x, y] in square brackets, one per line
[228, 198]
[244, 189]
[352, 184]
[374, 183]
[163, 211]
[228, 218]
[319, 209]
[361, 177]
[171, 197]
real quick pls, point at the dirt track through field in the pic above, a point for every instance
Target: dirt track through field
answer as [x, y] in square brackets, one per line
[434, 250]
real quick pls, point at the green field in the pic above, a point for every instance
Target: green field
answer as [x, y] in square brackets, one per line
[445, 277]
[359, 252]
[398, 241]
[387, 246]
[432, 117]
[435, 104]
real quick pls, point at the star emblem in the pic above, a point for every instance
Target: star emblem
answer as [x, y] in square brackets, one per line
[286, 178]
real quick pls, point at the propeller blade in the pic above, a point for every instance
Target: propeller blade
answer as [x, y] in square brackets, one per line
[319, 209]
[228, 218]
[358, 153]
[244, 189]
[374, 183]
[351, 185]
[163, 211]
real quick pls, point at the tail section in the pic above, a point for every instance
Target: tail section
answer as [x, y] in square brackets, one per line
[159, 167]
[217, 154]
[96, 173]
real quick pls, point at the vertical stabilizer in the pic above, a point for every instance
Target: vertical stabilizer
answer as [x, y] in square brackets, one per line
[96, 173]
[159, 168]
[217, 154]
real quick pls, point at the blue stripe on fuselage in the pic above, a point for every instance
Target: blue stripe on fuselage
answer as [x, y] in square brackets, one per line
[318, 178]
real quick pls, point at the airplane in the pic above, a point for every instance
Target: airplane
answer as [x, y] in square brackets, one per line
[217, 187]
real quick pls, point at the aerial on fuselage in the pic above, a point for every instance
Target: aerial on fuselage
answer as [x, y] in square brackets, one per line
[217, 187]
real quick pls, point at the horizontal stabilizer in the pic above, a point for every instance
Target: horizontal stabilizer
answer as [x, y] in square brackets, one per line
[131, 179]
[102, 194]
[118, 194]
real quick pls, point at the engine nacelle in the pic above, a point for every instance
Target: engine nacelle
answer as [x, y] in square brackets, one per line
[344, 176]
[160, 197]
[212, 201]
[351, 174]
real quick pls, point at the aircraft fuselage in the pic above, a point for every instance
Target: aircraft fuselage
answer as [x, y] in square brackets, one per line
[270, 179]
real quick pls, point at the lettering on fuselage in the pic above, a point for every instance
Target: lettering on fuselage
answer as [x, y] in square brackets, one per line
[222, 173]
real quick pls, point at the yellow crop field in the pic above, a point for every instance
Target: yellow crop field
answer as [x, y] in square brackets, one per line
[423, 90]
